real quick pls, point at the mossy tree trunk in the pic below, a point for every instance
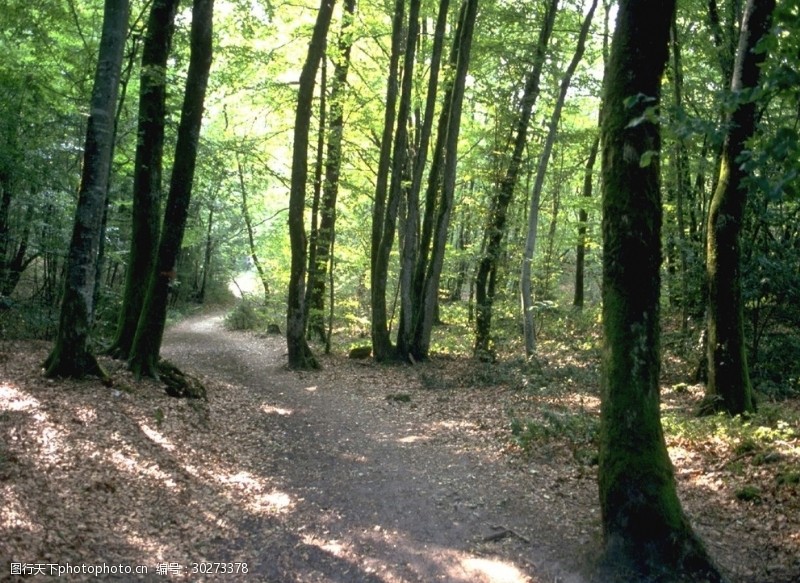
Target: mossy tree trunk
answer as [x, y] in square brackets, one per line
[728, 388]
[146, 345]
[646, 534]
[300, 355]
[147, 170]
[71, 356]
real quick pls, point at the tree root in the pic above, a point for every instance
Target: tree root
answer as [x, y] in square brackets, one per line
[178, 384]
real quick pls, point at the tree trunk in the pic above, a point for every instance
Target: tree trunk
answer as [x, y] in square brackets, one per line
[429, 308]
[728, 387]
[251, 240]
[300, 355]
[533, 211]
[316, 199]
[147, 171]
[330, 185]
[384, 210]
[150, 329]
[646, 534]
[486, 277]
[583, 219]
[682, 182]
[414, 253]
[71, 356]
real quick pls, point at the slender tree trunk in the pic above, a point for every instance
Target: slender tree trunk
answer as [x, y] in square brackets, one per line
[251, 239]
[300, 355]
[316, 201]
[682, 182]
[583, 220]
[430, 304]
[71, 356]
[146, 345]
[330, 185]
[728, 387]
[415, 251]
[207, 255]
[486, 277]
[544, 160]
[384, 210]
[125, 78]
[646, 534]
[147, 173]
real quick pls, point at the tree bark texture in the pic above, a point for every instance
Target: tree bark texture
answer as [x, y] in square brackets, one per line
[300, 355]
[646, 534]
[150, 328]
[147, 172]
[486, 276]
[728, 387]
[71, 356]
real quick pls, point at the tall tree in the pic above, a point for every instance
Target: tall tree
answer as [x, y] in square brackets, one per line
[300, 355]
[330, 185]
[486, 276]
[147, 170]
[71, 356]
[728, 387]
[427, 302]
[646, 533]
[150, 328]
[415, 250]
[544, 159]
[384, 209]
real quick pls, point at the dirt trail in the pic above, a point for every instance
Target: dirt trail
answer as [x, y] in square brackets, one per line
[362, 488]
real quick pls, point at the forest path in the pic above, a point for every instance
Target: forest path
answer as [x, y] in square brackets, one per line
[352, 486]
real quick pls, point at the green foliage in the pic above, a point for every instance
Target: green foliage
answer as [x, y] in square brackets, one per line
[245, 316]
[749, 494]
[580, 429]
[756, 432]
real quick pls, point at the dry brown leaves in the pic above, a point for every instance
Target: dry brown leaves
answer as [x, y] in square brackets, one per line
[127, 475]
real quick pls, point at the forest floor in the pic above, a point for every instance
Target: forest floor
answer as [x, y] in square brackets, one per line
[449, 470]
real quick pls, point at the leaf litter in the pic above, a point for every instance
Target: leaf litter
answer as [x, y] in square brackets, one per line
[447, 470]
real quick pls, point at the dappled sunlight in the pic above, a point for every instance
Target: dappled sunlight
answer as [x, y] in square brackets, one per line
[12, 399]
[157, 437]
[14, 515]
[414, 439]
[274, 410]
[253, 493]
[492, 571]
[131, 462]
[52, 445]
[335, 547]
